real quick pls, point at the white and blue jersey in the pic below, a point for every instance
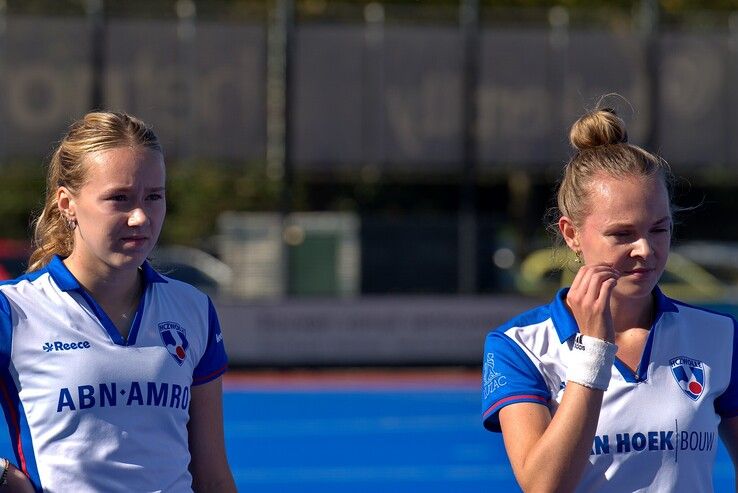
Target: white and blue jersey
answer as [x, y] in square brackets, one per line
[88, 410]
[657, 429]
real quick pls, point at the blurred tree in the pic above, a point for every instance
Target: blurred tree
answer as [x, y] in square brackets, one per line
[21, 197]
[198, 192]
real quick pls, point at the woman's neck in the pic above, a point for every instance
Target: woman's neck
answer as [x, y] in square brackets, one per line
[107, 285]
[629, 313]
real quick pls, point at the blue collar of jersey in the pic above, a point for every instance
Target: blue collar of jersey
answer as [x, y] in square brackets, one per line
[67, 282]
[566, 325]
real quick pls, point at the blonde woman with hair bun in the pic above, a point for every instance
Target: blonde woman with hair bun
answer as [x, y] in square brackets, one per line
[613, 386]
[111, 372]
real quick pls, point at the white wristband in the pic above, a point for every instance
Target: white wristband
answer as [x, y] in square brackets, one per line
[590, 362]
[4, 475]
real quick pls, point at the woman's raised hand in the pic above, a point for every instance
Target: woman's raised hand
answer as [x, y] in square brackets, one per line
[589, 300]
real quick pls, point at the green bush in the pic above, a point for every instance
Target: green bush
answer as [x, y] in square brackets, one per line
[21, 197]
[198, 192]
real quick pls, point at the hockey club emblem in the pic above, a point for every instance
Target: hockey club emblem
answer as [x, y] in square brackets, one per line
[689, 375]
[491, 379]
[175, 340]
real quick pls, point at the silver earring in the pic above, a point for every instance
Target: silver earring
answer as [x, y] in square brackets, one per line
[71, 223]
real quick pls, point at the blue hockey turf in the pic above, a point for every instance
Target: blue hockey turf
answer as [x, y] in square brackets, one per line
[391, 440]
[374, 441]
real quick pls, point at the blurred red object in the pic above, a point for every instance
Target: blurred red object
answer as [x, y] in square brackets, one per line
[13, 257]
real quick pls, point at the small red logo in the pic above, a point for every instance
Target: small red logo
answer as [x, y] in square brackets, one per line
[174, 338]
[689, 374]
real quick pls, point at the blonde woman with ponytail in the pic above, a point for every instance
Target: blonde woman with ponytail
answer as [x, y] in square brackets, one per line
[112, 376]
[613, 386]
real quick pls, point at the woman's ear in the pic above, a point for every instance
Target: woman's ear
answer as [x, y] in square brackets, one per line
[65, 203]
[570, 233]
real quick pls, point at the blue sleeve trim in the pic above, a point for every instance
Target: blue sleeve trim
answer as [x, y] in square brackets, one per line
[494, 424]
[209, 378]
[726, 405]
[214, 358]
[6, 331]
[508, 377]
[18, 429]
[15, 416]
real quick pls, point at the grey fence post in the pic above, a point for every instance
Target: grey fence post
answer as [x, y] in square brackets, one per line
[3, 79]
[650, 24]
[95, 10]
[557, 64]
[187, 66]
[731, 107]
[372, 94]
[279, 158]
[469, 23]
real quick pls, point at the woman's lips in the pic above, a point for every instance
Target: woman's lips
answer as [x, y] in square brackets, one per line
[135, 240]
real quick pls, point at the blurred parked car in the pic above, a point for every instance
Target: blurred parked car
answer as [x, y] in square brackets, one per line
[544, 271]
[193, 266]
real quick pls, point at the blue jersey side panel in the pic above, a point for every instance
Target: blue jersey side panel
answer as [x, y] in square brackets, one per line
[15, 417]
[6, 332]
[214, 361]
[20, 435]
[508, 377]
[727, 404]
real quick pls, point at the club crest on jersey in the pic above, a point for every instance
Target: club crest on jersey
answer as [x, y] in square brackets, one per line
[175, 340]
[491, 379]
[689, 375]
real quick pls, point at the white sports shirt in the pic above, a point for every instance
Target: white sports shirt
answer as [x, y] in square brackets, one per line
[88, 410]
[657, 429]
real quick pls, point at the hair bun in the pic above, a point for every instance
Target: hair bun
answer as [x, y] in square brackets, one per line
[597, 128]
